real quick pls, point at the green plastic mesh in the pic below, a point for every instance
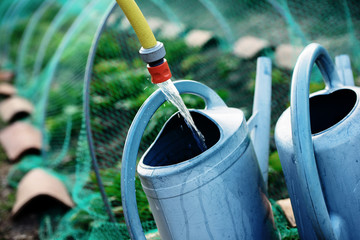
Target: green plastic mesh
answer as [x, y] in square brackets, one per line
[42, 89]
[14, 18]
[53, 82]
[48, 44]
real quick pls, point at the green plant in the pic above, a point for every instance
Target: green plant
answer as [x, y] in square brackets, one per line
[111, 180]
[274, 161]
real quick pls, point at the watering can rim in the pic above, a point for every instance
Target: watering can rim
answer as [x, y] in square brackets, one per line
[193, 183]
[224, 137]
[355, 89]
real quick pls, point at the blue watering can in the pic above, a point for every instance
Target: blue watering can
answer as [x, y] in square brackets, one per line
[217, 194]
[318, 143]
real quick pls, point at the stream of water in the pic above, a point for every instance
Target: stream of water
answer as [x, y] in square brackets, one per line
[172, 94]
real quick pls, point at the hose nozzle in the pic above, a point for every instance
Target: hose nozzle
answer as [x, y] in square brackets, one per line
[157, 64]
[160, 73]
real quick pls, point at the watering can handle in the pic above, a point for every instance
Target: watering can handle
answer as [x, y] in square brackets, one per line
[137, 128]
[301, 132]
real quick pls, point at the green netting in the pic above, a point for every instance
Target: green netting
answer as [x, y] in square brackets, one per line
[4, 6]
[66, 32]
[29, 45]
[39, 89]
[13, 23]
[49, 42]
[15, 16]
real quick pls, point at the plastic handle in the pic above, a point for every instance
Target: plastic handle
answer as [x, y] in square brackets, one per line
[301, 134]
[137, 128]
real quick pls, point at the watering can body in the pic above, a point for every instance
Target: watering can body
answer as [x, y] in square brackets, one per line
[318, 144]
[216, 194]
[219, 194]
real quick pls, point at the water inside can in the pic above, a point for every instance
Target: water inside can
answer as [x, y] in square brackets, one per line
[176, 144]
[174, 97]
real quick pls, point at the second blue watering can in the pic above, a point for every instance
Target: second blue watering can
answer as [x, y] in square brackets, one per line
[216, 194]
[318, 141]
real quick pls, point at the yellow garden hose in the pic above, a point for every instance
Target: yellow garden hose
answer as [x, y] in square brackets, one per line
[138, 22]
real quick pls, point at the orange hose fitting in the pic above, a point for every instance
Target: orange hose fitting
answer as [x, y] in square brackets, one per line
[160, 73]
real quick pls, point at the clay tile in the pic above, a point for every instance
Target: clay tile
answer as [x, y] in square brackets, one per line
[6, 76]
[249, 46]
[7, 90]
[285, 205]
[286, 55]
[19, 138]
[38, 183]
[13, 106]
[198, 38]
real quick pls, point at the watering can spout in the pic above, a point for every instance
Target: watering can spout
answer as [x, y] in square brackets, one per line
[259, 123]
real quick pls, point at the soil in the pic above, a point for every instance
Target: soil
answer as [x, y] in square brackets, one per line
[22, 228]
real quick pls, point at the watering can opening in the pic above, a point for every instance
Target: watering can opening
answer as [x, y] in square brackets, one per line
[176, 143]
[330, 109]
